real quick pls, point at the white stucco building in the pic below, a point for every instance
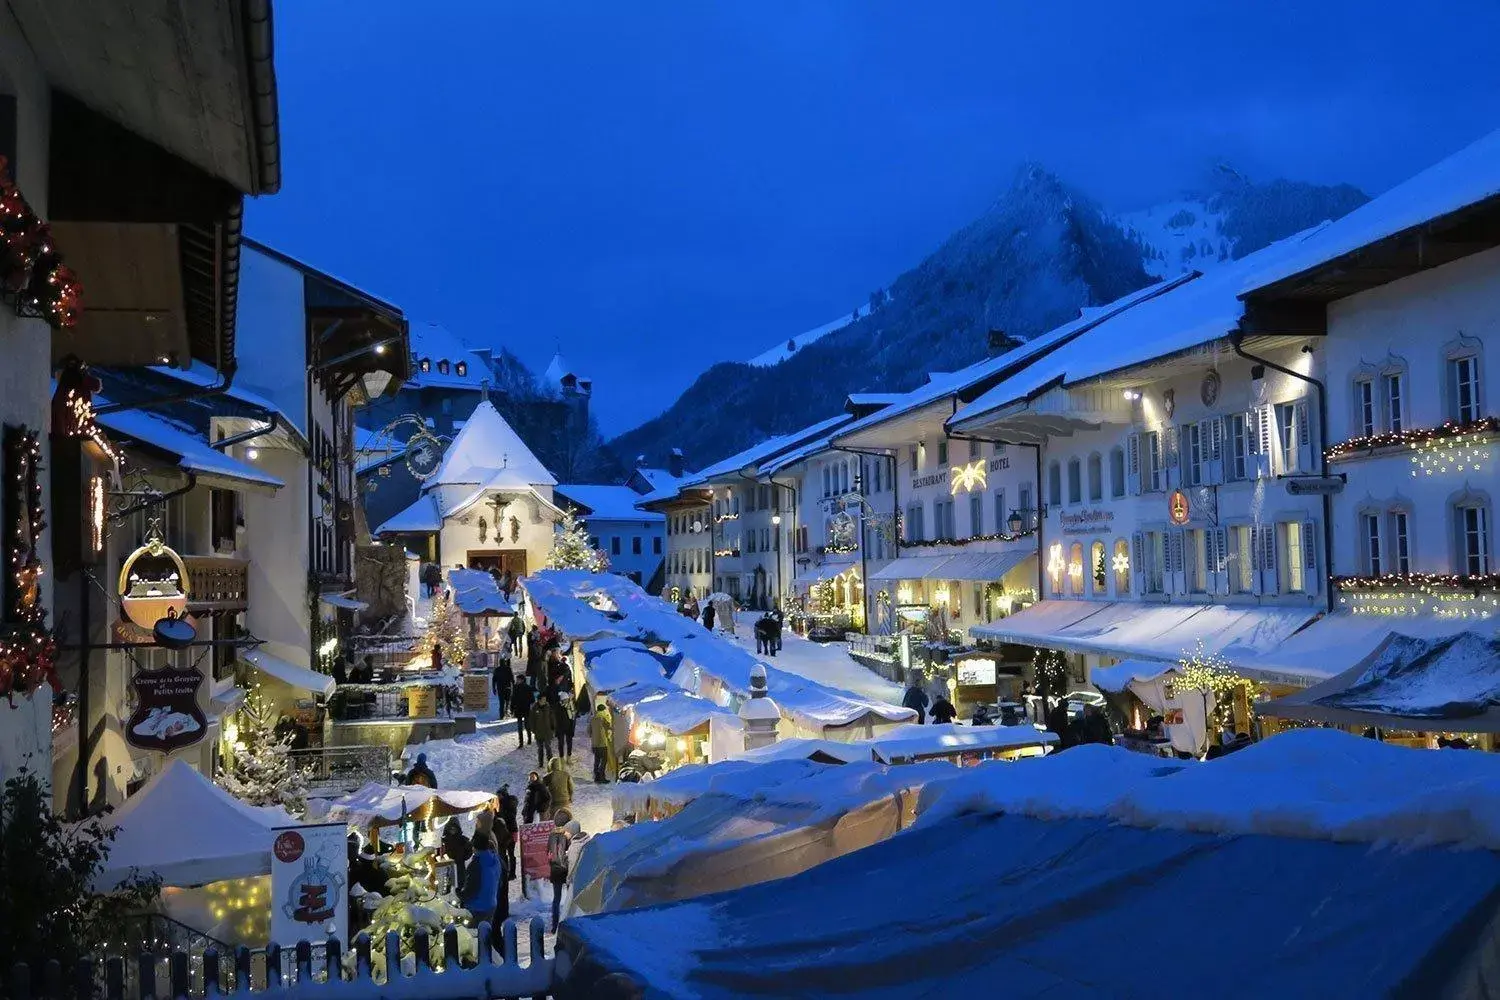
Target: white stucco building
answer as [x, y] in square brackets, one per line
[490, 501]
[634, 540]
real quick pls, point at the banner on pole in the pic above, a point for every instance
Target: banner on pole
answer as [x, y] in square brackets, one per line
[309, 873]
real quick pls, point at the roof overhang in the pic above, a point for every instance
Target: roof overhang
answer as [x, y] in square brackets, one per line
[194, 79]
[917, 424]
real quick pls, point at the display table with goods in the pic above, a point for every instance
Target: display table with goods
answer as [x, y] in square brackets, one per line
[415, 695]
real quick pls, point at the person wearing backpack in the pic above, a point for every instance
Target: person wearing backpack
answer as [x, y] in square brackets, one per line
[517, 630]
[558, 842]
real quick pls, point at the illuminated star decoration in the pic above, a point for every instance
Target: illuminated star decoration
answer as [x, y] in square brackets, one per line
[968, 477]
[1121, 563]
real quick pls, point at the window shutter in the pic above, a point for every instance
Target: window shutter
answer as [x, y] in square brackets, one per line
[1220, 563]
[1215, 430]
[1309, 546]
[1170, 457]
[1272, 584]
[1265, 431]
[1138, 560]
[1304, 439]
[1257, 564]
[1133, 465]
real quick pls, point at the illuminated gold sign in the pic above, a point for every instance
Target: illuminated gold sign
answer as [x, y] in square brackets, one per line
[968, 477]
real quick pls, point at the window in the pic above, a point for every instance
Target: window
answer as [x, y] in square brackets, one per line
[976, 514]
[1156, 562]
[1076, 570]
[942, 520]
[1196, 447]
[1241, 447]
[1002, 514]
[1369, 544]
[1054, 483]
[914, 523]
[1400, 543]
[635, 545]
[1075, 481]
[973, 450]
[1098, 568]
[1291, 541]
[1151, 445]
[1027, 508]
[1117, 471]
[1294, 437]
[1096, 478]
[593, 541]
[999, 448]
[1473, 538]
[1364, 408]
[1197, 561]
[1463, 388]
[1395, 401]
[1121, 566]
[912, 458]
[614, 545]
[943, 452]
[443, 366]
[750, 545]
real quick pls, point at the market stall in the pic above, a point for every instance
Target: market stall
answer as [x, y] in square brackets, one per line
[486, 610]
[1141, 691]
[376, 809]
[680, 727]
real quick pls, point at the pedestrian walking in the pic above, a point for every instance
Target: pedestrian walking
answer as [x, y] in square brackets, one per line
[916, 699]
[559, 868]
[432, 578]
[708, 615]
[481, 881]
[602, 737]
[521, 700]
[543, 727]
[517, 632]
[559, 785]
[501, 682]
[762, 630]
[566, 712]
[509, 827]
[943, 711]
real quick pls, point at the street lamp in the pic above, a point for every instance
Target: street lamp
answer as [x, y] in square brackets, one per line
[775, 518]
[1014, 522]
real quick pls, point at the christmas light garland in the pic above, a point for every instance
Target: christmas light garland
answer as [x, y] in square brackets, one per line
[31, 270]
[928, 543]
[28, 651]
[1414, 438]
[1422, 582]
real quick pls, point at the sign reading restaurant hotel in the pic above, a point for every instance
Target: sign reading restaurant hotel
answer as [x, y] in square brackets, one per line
[1086, 522]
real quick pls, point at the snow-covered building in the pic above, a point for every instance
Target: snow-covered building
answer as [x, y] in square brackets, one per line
[488, 504]
[1403, 298]
[1166, 455]
[635, 540]
[687, 566]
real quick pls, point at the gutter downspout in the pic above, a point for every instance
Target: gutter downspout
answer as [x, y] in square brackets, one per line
[226, 379]
[1236, 341]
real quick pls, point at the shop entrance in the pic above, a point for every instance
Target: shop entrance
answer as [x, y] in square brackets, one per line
[500, 559]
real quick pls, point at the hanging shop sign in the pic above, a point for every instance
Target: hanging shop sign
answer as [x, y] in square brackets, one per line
[309, 870]
[1087, 521]
[1315, 486]
[153, 584]
[167, 716]
[1177, 507]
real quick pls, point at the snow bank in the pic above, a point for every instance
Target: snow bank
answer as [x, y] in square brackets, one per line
[1317, 784]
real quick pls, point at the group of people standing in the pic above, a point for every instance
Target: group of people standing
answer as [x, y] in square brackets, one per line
[542, 697]
[768, 632]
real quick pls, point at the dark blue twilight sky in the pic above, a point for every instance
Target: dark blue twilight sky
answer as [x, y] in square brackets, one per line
[660, 186]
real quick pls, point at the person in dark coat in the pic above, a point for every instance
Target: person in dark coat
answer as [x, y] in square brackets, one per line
[432, 578]
[421, 774]
[916, 699]
[1096, 727]
[1057, 722]
[501, 682]
[508, 827]
[565, 713]
[943, 711]
[516, 630]
[708, 615]
[762, 630]
[775, 628]
[538, 803]
[521, 700]
[543, 727]
[457, 846]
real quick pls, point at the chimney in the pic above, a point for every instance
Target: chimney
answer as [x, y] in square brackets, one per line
[1000, 342]
[759, 714]
[674, 463]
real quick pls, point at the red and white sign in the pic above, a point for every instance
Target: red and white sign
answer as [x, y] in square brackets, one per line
[309, 884]
[534, 861]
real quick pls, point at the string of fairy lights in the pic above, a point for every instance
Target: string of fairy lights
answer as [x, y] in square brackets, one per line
[31, 270]
[28, 650]
[1451, 447]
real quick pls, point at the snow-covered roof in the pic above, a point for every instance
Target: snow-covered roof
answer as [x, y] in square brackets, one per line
[289, 673]
[914, 740]
[434, 343]
[192, 450]
[1164, 633]
[1468, 177]
[421, 517]
[608, 503]
[203, 376]
[671, 708]
[378, 804]
[476, 593]
[1121, 675]
[559, 368]
[488, 452]
[621, 667]
[189, 831]
[767, 449]
[1347, 826]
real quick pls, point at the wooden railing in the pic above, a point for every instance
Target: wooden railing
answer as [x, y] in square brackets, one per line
[217, 583]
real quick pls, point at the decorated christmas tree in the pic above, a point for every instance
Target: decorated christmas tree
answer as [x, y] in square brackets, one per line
[1210, 676]
[408, 906]
[259, 771]
[571, 549]
[446, 627]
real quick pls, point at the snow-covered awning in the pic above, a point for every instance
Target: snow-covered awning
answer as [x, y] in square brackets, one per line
[832, 566]
[377, 805]
[476, 593]
[672, 709]
[618, 668]
[984, 566]
[340, 601]
[914, 741]
[192, 451]
[1120, 676]
[913, 568]
[1449, 684]
[1159, 632]
[421, 517]
[1336, 642]
[288, 673]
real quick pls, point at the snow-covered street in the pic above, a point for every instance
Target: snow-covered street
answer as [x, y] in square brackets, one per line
[828, 664]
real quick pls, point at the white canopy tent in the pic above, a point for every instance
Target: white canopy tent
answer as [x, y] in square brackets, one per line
[190, 832]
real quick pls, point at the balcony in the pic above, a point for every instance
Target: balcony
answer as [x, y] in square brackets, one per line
[217, 583]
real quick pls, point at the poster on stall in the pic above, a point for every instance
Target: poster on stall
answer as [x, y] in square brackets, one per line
[476, 692]
[309, 873]
[534, 849]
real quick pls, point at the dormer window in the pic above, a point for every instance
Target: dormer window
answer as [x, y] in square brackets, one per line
[443, 367]
[569, 381]
[426, 365]
[462, 368]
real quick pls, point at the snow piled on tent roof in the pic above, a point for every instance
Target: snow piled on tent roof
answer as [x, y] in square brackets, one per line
[1470, 176]
[620, 667]
[1450, 678]
[476, 593]
[1317, 784]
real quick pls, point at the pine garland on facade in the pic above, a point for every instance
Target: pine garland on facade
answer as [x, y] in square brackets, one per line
[259, 772]
[571, 548]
